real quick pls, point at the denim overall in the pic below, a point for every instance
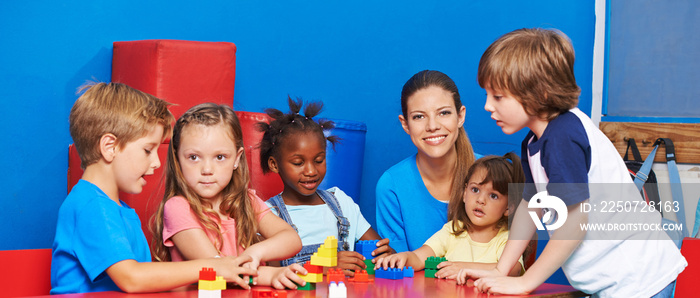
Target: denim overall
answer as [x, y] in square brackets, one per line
[306, 251]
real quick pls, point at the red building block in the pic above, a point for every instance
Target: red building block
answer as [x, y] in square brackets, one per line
[313, 268]
[269, 293]
[361, 276]
[207, 274]
[182, 72]
[335, 274]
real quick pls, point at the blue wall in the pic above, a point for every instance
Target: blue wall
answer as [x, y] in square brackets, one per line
[355, 57]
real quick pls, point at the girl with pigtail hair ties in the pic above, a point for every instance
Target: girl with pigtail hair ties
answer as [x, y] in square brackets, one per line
[294, 146]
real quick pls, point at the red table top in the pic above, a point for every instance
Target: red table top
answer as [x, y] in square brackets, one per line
[418, 286]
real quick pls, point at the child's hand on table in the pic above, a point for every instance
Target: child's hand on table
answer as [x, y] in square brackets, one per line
[383, 249]
[350, 261]
[286, 277]
[392, 261]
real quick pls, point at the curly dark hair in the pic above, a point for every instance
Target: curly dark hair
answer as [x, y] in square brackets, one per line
[283, 126]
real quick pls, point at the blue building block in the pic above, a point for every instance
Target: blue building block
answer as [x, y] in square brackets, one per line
[390, 273]
[408, 272]
[366, 247]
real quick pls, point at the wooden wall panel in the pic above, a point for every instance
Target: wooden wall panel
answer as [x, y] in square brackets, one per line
[685, 137]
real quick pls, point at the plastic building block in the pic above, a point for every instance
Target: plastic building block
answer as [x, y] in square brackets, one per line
[432, 262]
[389, 273]
[184, 72]
[370, 266]
[331, 242]
[308, 287]
[312, 277]
[430, 272]
[361, 276]
[408, 272]
[209, 294]
[366, 247]
[218, 284]
[313, 268]
[207, 274]
[321, 261]
[327, 252]
[337, 290]
[268, 293]
[335, 275]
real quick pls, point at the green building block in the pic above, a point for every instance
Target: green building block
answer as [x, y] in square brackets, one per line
[432, 262]
[430, 273]
[308, 287]
[370, 267]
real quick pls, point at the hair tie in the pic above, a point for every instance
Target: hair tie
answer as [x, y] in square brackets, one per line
[292, 120]
[280, 130]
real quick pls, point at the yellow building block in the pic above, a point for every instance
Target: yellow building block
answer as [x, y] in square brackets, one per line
[331, 242]
[211, 285]
[321, 261]
[312, 277]
[327, 252]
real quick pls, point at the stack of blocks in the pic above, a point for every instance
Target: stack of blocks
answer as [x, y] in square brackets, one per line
[431, 266]
[326, 256]
[365, 248]
[394, 273]
[337, 290]
[210, 285]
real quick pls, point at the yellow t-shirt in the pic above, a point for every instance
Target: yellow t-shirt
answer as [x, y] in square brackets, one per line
[463, 249]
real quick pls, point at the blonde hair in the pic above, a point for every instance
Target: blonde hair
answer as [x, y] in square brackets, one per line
[114, 108]
[536, 66]
[235, 203]
[465, 153]
[500, 172]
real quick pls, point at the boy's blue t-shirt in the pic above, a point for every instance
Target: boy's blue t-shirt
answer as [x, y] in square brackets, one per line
[92, 234]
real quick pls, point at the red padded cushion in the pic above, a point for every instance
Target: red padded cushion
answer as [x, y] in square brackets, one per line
[25, 272]
[686, 283]
[267, 185]
[181, 72]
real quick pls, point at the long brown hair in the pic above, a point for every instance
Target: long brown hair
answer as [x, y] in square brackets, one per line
[500, 172]
[235, 203]
[465, 153]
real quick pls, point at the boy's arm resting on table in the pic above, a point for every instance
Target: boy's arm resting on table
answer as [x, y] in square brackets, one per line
[558, 249]
[138, 277]
[389, 220]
